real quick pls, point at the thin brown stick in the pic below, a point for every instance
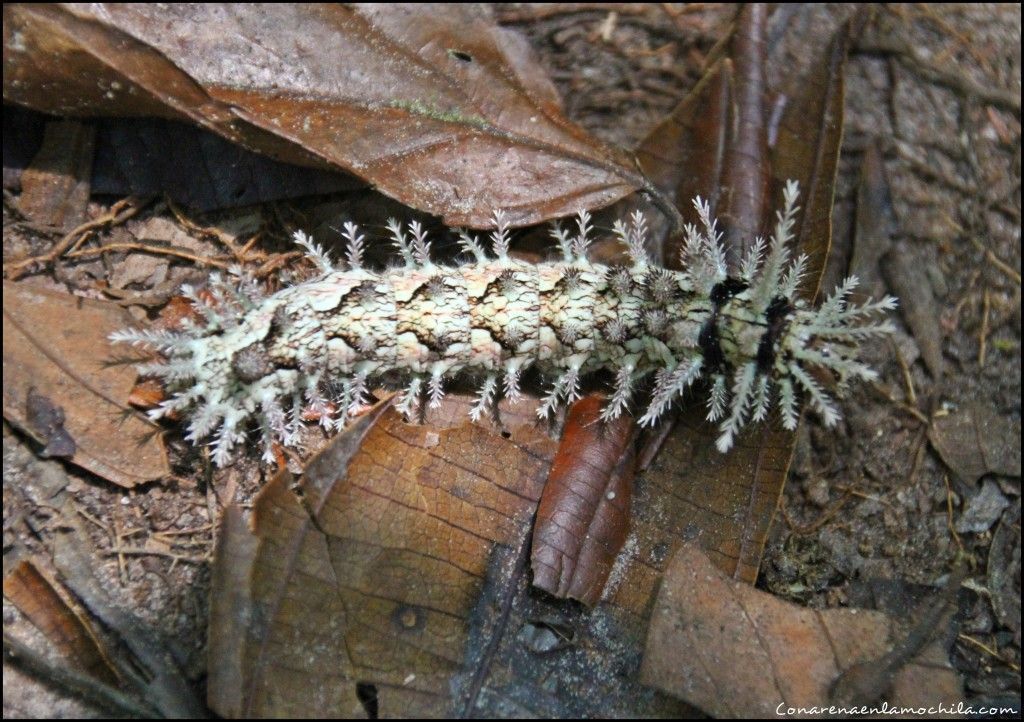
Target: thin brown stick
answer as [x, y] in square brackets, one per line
[803, 530]
[118, 214]
[949, 515]
[1012, 273]
[989, 651]
[986, 306]
[139, 551]
[145, 248]
[221, 237]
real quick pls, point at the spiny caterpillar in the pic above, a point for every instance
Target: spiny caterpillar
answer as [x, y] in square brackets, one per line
[322, 344]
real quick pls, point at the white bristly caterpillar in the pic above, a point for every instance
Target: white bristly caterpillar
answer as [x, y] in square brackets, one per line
[323, 343]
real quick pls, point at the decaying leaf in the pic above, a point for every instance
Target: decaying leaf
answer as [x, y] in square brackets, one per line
[1004, 570]
[876, 223]
[56, 353]
[371, 576]
[65, 628]
[906, 273]
[735, 651]
[55, 187]
[975, 441]
[583, 517]
[435, 105]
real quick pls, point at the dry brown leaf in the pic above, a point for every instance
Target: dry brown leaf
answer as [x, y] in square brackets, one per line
[435, 105]
[55, 346]
[975, 441]
[583, 517]
[905, 269]
[66, 629]
[372, 576]
[735, 651]
[875, 224]
[55, 187]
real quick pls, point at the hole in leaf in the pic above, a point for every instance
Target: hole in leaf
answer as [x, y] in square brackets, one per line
[408, 619]
[460, 55]
[366, 693]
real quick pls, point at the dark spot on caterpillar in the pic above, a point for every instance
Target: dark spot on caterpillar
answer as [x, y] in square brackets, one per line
[614, 331]
[621, 282]
[710, 338]
[435, 287]
[570, 333]
[278, 323]
[775, 317]
[508, 284]
[725, 290]
[570, 279]
[661, 286]
[252, 363]
[655, 321]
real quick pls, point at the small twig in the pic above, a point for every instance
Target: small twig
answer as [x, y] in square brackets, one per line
[1012, 273]
[919, 448]
[540, 11]
[949, 514]
[865, 683]
[122, 564]
[989, 651]
[184, 532]
[223, 238]
[90, 518]
[862, 495]
[145, 248]
[820, 521]
[276, 261]
[118, 214]
[887, 395]
[666, 206]
[139, 551]
[983, 333]
[908, 380]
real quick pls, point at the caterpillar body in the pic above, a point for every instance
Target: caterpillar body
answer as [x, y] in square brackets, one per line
[323, 343]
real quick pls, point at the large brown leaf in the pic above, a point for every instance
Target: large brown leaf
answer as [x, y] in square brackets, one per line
[372, 576]
[434, 104]
[60, 387]
[396, 570]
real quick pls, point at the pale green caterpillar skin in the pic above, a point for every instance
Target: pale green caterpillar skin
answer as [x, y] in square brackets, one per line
[324, 342]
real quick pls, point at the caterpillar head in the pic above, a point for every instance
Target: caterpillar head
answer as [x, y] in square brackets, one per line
[223, 369]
